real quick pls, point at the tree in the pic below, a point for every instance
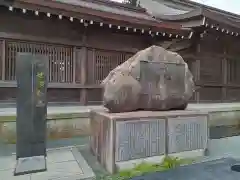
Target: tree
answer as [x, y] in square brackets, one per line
[135, 3]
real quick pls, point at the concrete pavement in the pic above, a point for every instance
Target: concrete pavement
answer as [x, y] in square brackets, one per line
[62, 164]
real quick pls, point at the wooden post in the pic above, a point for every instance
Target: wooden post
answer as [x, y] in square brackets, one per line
[3, 58]
[83, 97]
[83, 69]
[224, 76]
[197, 66]
[74, 64]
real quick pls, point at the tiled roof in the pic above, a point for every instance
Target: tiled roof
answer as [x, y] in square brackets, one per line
[191, 6]
[110, 7]
[103, 11]
[154, 8]
[191, 14]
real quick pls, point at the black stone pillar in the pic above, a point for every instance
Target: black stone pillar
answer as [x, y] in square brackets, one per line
[32, 78]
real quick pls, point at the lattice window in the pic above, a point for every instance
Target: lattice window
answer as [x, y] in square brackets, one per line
[104, 62]
[234, 70]
[60, 60]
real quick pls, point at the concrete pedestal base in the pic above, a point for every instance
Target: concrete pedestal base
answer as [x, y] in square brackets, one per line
[120, 140]
[30, 165]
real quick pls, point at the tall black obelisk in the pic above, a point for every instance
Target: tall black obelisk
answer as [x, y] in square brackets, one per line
[32, 79]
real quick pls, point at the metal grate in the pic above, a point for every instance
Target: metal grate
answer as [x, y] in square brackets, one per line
[102, 62]
[60, 59]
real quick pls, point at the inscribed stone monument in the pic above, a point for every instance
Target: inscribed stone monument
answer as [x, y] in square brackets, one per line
[187, 133]
[32, 74]
[140, 139]
[152, 79]
[123, 140]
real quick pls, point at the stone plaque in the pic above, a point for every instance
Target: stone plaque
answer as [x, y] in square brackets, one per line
[174, 80]
[151, 75]
[32, 75]
[187, 133]
[139, 139]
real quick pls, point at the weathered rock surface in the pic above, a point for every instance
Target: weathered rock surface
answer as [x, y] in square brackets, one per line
[153, 79]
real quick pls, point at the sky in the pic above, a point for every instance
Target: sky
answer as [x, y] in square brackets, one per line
[227, 5]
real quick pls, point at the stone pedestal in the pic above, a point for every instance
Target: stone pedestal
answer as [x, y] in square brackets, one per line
[121, 140]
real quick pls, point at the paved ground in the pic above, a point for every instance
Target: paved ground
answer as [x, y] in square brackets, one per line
[9, 149]
[224, 147]
[62, 164]
[78, 108]
[219, 169]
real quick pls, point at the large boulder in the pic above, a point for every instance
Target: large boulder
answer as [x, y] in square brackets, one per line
[152, 79]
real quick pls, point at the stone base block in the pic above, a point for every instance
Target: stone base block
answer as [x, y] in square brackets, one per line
[122, 140]
[30, 165]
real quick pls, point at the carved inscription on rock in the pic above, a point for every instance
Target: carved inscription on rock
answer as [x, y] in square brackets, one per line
[122, 96]
[140, 139]
[187, 133]
[173, 78]
[40, 79]
[151, 76]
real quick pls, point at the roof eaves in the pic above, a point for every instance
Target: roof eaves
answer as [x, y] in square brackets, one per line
[119, 17]
[180, 17]
[203, 6]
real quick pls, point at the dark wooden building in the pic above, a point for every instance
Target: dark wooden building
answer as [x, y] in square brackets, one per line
[213, 51]
[84, 40]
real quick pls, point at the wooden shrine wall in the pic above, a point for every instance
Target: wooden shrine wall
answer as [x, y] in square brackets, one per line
[79, 57]
[215, 63]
